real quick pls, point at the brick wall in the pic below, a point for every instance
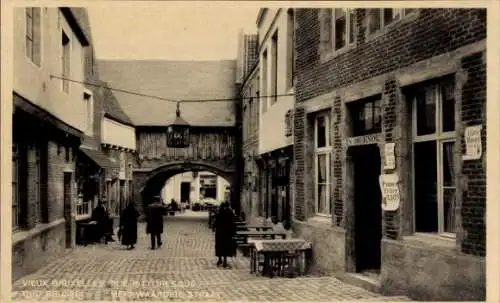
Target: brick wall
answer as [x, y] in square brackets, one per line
[429, 33]
[473, 112]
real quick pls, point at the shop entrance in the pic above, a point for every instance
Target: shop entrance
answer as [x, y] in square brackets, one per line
[367, 208]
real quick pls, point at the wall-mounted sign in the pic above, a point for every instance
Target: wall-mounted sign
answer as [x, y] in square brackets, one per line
[390, 192]
[473, 144]
[363, 140]
[389, 156]
[289, 123]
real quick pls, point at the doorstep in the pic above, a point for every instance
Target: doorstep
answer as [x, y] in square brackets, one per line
[367, 281]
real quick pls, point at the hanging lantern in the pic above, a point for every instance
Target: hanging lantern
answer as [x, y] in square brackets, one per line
[178, 132]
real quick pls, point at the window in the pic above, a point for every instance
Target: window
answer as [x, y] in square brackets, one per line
[65, 62]
[378, 18]
[33, 34]
[343, 28]
[322, 163]
[274, 68]
[250, 116]
[433, 149]
[245, 122]
[366, 116]
[291, 48]
[83, 207]
[89, 113]
[264, 81]
[15, 187]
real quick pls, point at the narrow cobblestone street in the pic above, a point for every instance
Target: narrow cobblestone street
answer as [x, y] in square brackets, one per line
[183, 269]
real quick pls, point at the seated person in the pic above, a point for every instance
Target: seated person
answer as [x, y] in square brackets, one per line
[104, 222]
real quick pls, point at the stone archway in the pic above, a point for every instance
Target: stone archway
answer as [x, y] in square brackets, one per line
[149, 183]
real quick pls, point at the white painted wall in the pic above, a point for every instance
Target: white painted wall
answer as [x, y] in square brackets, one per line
[272, 121]
[33, 82]
[116, 133]
[172, 188]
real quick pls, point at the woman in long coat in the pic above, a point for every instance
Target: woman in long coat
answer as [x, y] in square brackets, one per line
[128, 226]
[225, 228]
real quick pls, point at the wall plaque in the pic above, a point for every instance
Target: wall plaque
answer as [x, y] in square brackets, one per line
[390, 191]
[363, 140]
[389, 156]
[473, 144]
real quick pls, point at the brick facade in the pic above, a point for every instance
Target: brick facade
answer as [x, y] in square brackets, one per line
[421, 47]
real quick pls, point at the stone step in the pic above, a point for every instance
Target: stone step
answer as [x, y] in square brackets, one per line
[368, 282]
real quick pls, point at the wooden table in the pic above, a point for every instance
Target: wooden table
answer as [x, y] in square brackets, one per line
[256, 227]
[281, 257]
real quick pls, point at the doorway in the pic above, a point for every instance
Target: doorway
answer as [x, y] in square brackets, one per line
[185, 191]
[367, 208]
[67, 209]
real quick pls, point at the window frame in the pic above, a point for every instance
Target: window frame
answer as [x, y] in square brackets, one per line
[274, 67]
[404, 12]
[89, 112]
[439, 137]
[65, 83]
[319, 151]
[349, 12]
[31, 58]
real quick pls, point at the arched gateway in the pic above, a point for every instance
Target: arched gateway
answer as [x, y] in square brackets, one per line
[213, 149]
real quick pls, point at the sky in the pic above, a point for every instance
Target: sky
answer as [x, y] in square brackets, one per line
[169, 32]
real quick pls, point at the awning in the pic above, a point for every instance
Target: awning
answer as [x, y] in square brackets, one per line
[100, 158]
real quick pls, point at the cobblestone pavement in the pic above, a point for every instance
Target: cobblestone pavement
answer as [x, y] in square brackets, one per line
[184, 269]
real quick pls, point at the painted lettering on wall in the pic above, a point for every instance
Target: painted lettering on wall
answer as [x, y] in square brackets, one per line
[473, 144]
[389, 156]
[390, 191]
[363, 140]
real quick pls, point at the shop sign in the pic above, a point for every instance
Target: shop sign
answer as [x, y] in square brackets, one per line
[363, 140]
[390, 191]
[389, 156]
[473, 144]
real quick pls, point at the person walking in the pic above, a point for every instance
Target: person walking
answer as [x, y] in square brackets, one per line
[225, 228]
[128, 226]
[156, 211]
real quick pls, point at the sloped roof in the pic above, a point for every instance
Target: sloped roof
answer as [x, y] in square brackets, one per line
[178, 80]
[112, 108]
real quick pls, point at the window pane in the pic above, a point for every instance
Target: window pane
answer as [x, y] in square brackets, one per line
[425, 165]
[322, 169]
[409, 10]
[377, 115]
[352, 25]
[368, 116]
[29, 48]
[388, 15]
[322, 199]
[449, 210]
[29, 26]
[321, 129]
[340, 28]
[373, 15]
[448, 168]
[426, 111]
[448, 107]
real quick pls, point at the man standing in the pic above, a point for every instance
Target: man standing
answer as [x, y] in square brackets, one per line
[104, 222]
[156, 211]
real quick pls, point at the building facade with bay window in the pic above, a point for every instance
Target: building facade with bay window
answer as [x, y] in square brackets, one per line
[390, 150]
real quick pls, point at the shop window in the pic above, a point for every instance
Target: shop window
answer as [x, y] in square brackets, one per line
[433, 150]
[322, 164]
[366, 116]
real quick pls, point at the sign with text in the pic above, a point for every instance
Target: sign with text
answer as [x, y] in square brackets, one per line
[390, 191]
[389, 156]
[473, 144]
[363, 140]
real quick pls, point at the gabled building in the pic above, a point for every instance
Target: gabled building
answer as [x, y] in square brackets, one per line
[390, 148]
[48, 126]
[276, 85]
